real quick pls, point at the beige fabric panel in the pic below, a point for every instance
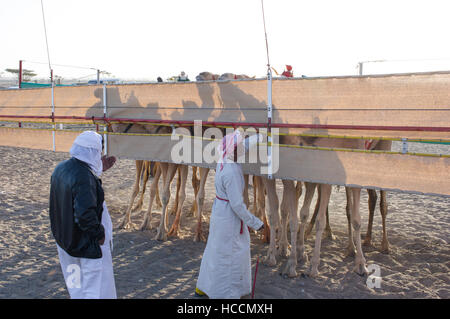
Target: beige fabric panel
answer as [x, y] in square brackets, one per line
[364, 100]
[26, 102]
[416, 174]
[37, 139]
[81, 101]
[230, 101]
[429, 175]
[33, 139]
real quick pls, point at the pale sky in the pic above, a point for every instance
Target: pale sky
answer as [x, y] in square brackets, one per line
[145, 39]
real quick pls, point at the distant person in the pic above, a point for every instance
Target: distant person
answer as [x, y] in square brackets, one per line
[159, 79]
[225, 270]
[288, 72]
[80, 221]
[183, 77]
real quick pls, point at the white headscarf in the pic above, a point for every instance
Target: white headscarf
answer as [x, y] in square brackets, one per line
[87, 147]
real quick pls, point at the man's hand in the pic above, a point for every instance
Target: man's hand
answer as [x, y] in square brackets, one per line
[108, 162]
[261, 228]
[102, 241]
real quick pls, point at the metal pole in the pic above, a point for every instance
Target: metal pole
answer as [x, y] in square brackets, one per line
[53, 113]
[105, 115]
[20, 74]
[269, 123]
[98, 76]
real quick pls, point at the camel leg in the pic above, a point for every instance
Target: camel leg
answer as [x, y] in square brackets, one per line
[147, 223]
[328, 233]
[260, 207]
[325, 193]
[314, 216]
[195, 186]
[162, 229]
[304, 213]
[372, 204]
[360, 262]
[284, 209]
[126, 221]
[384, 211]
[351, 250]
[183, 172]
[291, 206]
[175, 207]
[155, 170]
[144, 177]
[199, 203]
[274, 221]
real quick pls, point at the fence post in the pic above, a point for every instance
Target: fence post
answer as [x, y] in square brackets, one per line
[53, 115]
[269, 123]
[105, 115]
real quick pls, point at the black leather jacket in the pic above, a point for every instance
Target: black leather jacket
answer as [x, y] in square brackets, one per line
[76, 206]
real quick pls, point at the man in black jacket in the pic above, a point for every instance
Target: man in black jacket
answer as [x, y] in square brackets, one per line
[80, 221]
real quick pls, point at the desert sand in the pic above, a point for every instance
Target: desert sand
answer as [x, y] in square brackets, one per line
[418, 265]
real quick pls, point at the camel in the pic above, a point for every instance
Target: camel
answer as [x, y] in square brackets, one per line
[166, 170]
[206, 76]
[143, 169]
[290, 207]
[232, 76]
[380, 145]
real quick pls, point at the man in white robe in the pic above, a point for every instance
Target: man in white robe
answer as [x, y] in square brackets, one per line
[225, 270]
[80, 220]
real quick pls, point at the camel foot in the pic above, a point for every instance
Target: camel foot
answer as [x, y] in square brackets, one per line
[360, 268]
[146, 224]
[313, 272]
[270, 260]
[302, 256]
[127, 224]
[161, 235]
[289, 271]
[283, 249]
[350, 252]
[173, 232]
[385, 247]
[328, 234]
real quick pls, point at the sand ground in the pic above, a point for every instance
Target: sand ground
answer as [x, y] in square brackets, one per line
[418, 265]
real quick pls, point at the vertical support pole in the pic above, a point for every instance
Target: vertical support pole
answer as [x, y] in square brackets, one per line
[53, 112]
[20, 74]
[269, 123]
[98, 76]
[360, 68]
[105, 115]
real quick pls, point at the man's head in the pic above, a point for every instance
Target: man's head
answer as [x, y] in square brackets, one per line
[90, 139]
[87, 148]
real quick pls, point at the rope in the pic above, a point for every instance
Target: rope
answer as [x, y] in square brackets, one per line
[46, 39]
